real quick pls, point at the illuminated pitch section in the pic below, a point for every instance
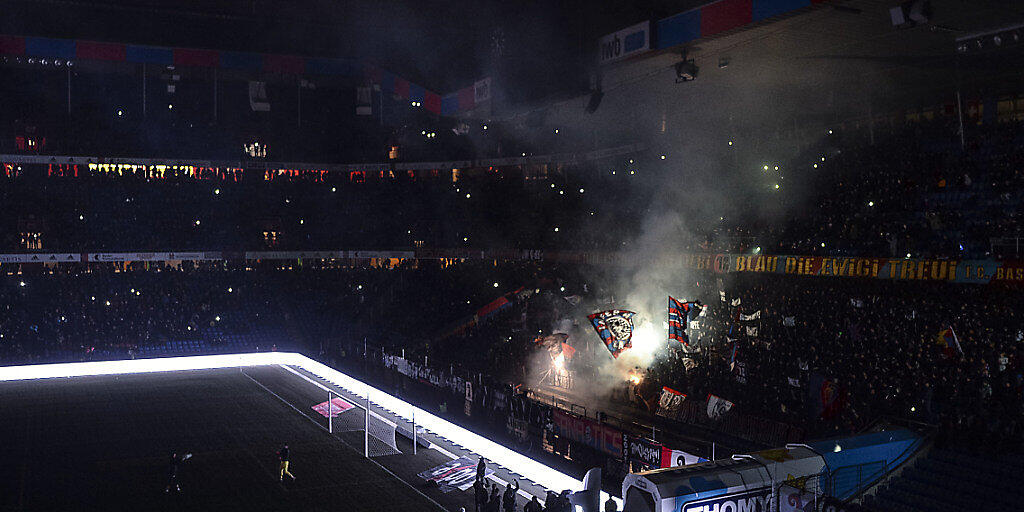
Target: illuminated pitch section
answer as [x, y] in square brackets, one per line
[539, 473]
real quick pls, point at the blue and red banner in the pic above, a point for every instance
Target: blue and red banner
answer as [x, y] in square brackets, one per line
[615, 327]
[678, 318]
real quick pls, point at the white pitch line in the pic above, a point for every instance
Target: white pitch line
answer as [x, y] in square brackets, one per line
[440, 449]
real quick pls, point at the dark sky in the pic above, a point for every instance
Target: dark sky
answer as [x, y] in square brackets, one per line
[537, 49]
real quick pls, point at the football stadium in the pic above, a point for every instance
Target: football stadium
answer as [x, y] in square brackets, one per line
[645, 256]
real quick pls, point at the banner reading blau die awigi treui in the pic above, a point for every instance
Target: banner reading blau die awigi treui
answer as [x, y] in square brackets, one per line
[900, 269]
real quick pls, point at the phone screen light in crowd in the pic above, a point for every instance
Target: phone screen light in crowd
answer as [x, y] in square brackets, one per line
[556, 130]
[815, 166]
[908, 255]
[765, 167]
[216, 191]
[197, 222]
[495, 285]
[757, 250]
[823, 244]
[838, 448]
[776, 167]
[871, 203]
[730, 143]
[561, 289]
[230, 289]
[21, 283]
[961, 247]
[556, 229]
[776, 186]
[524, 154]
[120, 113]
[913, 409]
[93, 298]
[302, 221]
[630, 160]
[106, 302]
[132, 290]
[485, 127]
[632, 172]
[561, 192]
[613, 171]
[468, 196]
[137, 293]
[465, 239]
[360, 287]
[830, 132]
[822, 159]
[81, 217]
[662, 157]
[581, 191]
[170, 106]
[216, 318]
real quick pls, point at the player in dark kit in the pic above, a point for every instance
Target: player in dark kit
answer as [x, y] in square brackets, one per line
[283, 455]
[172, 472]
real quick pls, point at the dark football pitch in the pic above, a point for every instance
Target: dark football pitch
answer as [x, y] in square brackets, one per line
[103, 443]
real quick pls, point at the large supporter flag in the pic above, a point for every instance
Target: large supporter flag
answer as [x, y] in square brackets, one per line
[947, 338]
[615, 327]
[678, 319]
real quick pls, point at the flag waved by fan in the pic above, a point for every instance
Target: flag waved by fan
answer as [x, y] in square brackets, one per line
[678, 319]
[615, 327]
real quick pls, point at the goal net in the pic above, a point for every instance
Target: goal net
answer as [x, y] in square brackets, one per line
[380, 436]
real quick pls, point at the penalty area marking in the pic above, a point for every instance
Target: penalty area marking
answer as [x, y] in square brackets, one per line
[439, 449]
[343, 443]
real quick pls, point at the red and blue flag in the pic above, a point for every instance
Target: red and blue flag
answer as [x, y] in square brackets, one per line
[615, 327]
[679, 318]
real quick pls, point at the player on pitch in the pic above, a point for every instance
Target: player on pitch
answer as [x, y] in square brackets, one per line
[282, 455]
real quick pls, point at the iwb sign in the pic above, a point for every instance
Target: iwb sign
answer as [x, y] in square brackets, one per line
[629, 41]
